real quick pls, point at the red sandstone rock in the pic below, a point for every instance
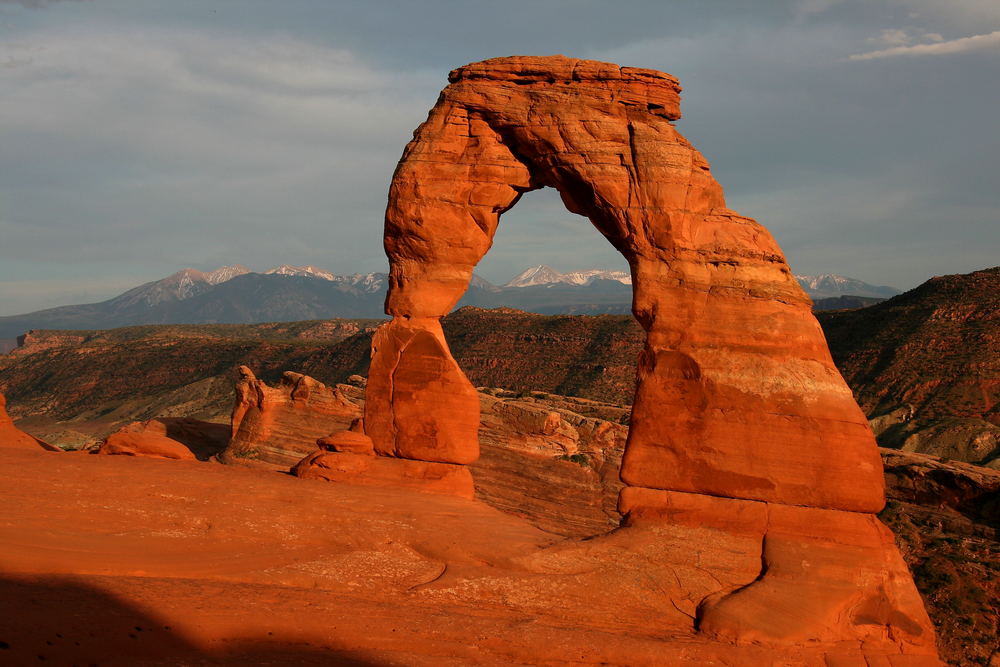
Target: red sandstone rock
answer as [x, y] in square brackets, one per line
[825, 575]
[419, 404]
[738, 395]
[366, 470]
[283, 423]
[394, 559]
[201, 438]
[347, 441]
[738, 399]
[13, 437]
[138, 443]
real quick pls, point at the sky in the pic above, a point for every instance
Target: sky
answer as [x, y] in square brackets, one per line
[139, 137]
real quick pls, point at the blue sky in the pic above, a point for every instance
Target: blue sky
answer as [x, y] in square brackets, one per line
[140, 137]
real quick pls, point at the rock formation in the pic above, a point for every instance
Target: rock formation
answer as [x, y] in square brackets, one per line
[144, 443]
[353, 440]
[739, 410]
[284, 422]
[168, 437]
[13, 437]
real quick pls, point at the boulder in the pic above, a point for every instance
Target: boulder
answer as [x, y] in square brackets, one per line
[145, 443]
[347, 441]
[202, 439]
[419, 404]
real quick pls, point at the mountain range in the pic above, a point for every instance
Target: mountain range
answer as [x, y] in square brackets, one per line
[237, 295]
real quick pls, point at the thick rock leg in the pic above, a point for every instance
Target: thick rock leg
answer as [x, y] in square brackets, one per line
[419, 403]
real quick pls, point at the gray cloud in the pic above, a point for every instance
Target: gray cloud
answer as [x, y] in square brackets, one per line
[34, 4]
[987, 42]
[140, 139]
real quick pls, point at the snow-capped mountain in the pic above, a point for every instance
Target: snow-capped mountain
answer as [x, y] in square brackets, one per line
[827, 285]
[225, 273]
[546, 275]
[364, 282]
[235, 294]
[307, 270]
[232, 294]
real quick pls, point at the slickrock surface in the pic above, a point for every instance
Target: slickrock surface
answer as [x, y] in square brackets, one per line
[178, 566]
[954, 557]
[279, 424]
[738, 403]
[545, 461]
[926, 366]
[14, 438]
[386, 472]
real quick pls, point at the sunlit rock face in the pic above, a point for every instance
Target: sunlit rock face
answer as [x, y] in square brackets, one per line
[280, 424]
[738, 396]
[739, 410]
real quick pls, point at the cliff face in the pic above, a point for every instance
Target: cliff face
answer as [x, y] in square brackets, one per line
[925, 365]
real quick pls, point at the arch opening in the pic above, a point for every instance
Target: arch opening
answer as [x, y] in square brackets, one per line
[538, 230]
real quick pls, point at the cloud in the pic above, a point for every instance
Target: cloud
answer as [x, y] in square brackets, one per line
[989, 41]
[139, 142]
[32, 4]
[963, 16]
[122, 146]
[893, 37]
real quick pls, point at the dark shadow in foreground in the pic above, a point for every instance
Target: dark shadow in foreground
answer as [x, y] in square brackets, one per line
[59, 621]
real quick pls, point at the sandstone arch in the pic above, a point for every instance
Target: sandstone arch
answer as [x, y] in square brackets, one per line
[737, 397]
[740, 418]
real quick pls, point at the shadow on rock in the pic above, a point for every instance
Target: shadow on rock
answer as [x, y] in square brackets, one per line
[60, 621]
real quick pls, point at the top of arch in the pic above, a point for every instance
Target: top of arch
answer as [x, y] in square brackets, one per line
[657, 91]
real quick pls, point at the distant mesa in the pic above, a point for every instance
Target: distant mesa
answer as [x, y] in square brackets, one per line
[936, 347]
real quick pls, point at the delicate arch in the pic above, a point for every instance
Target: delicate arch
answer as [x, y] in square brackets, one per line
[737, 394]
